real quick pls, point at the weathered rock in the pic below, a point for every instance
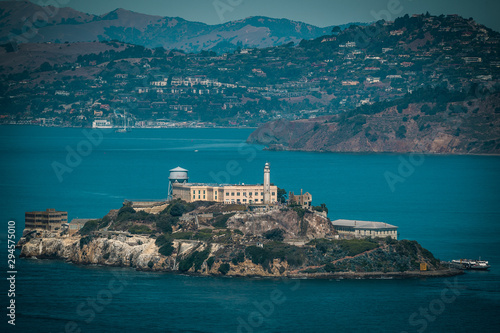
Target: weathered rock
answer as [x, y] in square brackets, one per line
[312, 225]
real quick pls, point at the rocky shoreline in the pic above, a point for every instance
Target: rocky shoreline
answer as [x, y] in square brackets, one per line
[141, 253]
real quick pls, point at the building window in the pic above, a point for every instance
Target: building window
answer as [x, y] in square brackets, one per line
[244, 200]
[238, 193]
[232, 194]
[227, 193]
[273, 193]
[199, 197]
[194, 196]
[244, 194]
[261, 193]
[203, 196]
[199, 191]
[256, 193]
[204, 192]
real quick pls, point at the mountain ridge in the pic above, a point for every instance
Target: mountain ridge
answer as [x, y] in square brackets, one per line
[51, 24]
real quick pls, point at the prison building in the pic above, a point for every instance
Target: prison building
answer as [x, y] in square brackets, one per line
[225, 193]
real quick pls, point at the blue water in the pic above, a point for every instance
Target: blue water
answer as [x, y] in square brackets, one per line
[450, 204]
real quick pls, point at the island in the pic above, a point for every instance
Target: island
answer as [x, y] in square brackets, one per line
[231, 230]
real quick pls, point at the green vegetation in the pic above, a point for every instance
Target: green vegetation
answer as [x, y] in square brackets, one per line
[89, 227]
[183, 235]
[166, 249]
[240, 257]
[139, 229]
[210, 262]
[220, 221]
[275, 234]
[164, 242]
[224, 268]
[282, 196]
[300, 211]
[400, 133]
[203, 235]
[196, 259]
[85, 240]
[294, 255]
[162, 239]
[350, 247]
[165, 222]
[321, 208]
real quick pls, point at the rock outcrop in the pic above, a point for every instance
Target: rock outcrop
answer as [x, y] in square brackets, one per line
[471, 127]
[310, 226]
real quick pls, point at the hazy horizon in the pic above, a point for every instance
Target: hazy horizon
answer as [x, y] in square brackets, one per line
[321, 13]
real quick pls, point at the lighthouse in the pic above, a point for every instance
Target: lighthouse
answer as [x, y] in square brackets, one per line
[267, 184]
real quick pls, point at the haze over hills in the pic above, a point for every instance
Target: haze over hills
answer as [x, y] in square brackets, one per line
[68, 25]
[356, 73]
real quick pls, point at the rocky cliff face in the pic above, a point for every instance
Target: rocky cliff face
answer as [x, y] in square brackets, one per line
[310, 226]
[118, 250]
[139, 252]
[397, 259]
[457, 128]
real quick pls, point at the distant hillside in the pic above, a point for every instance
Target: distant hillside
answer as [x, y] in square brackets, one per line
[75, 83]
[446, 124]
[68, 25]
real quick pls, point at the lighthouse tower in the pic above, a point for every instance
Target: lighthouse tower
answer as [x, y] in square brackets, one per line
[267, 184]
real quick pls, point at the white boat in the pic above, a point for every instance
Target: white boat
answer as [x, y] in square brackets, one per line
[481, 265]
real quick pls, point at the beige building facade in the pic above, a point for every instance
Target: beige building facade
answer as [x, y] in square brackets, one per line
[237, 194]
[262, 194]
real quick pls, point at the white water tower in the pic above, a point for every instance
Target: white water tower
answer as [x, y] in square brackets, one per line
[177, 175]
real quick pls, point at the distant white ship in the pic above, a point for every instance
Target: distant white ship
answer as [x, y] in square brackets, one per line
[481, 265]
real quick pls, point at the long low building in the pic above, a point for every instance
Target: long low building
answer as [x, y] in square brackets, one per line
[262, 194]
[363, 229]
[241, 194]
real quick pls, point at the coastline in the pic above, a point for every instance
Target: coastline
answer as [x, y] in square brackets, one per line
[141, 254]
[301, 276]
[371, 152]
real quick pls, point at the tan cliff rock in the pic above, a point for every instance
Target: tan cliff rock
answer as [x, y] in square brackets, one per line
[312, 225]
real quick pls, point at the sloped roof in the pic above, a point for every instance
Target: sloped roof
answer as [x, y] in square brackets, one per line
[178, 169]
[363, 224]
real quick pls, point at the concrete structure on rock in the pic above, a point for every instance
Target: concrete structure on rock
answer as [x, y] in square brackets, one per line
[304, 199]
[261, 194]
[45, 220]
[76, 224]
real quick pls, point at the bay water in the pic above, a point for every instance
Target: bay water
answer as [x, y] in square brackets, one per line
[450, 204]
